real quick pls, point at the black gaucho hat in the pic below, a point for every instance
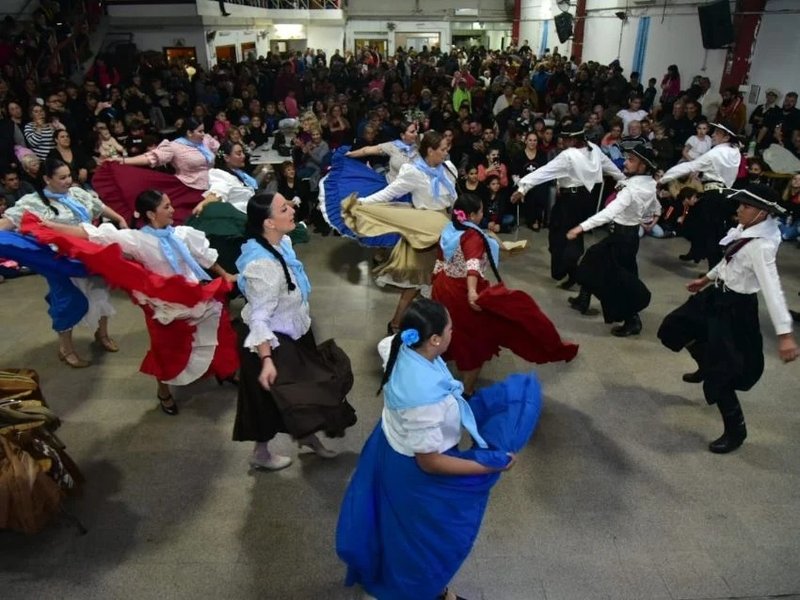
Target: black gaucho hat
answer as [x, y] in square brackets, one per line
[759, 196]
[644, 153]
[572, 130]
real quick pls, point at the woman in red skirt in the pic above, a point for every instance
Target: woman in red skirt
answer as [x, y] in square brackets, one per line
[191, 155]
[485, 316]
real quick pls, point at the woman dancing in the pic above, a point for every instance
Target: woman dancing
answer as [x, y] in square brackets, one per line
[288, 383]
[189, 325]
[486, 317]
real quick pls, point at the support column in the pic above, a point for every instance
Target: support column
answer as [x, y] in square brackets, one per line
[580, 23]
[745, 26]
[515, 22]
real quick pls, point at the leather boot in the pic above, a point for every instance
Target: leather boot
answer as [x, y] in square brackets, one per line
[697, 350]
[734, 434]
[581, 301]
[631, 326]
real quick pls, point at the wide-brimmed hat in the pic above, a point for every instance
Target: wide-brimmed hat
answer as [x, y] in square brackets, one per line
[572, 130]
[726, 128]
[759, 196]
[645, 154]
[774, 91]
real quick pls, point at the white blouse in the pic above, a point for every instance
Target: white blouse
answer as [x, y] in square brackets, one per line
[145, 248]
[411, 179]
[229, 188]
[397, 158]
[423, 429]
[270, 306]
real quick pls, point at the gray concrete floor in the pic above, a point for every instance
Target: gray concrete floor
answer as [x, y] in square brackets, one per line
[616, 497]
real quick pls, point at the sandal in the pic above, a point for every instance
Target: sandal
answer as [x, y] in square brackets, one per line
[72, 359]
[106, 342]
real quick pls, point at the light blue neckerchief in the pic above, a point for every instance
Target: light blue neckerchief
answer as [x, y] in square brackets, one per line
[78, 209]
[201, 147]
[170, 243]
[253, 250]
[246, 179]
[417, 381]
[438, 177]
[407, 149]
[451, 238]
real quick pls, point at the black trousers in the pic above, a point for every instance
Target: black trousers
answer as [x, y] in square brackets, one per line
[572, 207]
[707, 223]
[724, 335]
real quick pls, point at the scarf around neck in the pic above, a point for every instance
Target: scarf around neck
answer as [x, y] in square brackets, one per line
[78, 209]
[417, 381]
[174, 248]
[767, 229]
[438, 177]
[247, 179]
[451, 238]
[407, 149]
[253, 250]
[201, 147]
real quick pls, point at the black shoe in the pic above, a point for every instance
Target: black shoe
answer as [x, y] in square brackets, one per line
[730, 440]
[695, 377]
[226, 14]
[632, 326]
[232, 379]
[568, 284]
[168, 409]
[795, 315]
[580, 303]
[688, 257]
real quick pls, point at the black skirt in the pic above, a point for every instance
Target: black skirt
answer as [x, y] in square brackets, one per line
[309, 394]
[726, 325]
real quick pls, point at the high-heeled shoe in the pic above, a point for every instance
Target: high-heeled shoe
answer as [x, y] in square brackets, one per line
[106, 342]
[314, 443]
[72, 359]
[168, 409]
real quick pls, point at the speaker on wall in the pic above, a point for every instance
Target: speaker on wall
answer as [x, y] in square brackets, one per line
[715, 24]
[563, 26]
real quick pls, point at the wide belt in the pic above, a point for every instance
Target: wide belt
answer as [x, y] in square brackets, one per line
[713, 185]
[617, 228]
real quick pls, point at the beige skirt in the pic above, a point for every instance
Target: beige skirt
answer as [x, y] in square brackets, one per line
[411, 262]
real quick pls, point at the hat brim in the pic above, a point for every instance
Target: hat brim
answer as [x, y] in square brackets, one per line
[751, 199]
[572, 134]
[725, 129]
[643, 158]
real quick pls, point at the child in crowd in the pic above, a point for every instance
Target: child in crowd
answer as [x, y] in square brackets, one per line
[256, 133]
[495, 216]
[698, 144]
[221, 126]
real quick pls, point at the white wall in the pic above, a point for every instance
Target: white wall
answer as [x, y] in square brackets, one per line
[327, 38]
[437, 9]
[533, 16]
[777, 49]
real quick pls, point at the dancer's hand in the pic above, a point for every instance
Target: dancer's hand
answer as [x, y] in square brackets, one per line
[472, 300]
[573, 233]
[122, 224]
[787, 348]
[696, 285]
[516, 197]
[268, 374]
[511, 463]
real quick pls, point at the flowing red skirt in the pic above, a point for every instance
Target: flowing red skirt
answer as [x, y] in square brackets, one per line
[119, 185]
[173, 343]
[508, 319]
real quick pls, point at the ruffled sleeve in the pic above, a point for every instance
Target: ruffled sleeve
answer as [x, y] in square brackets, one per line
[220, 184]
[473, 249]
[264, 279]
[161, 155]
[128, 239]
[422, 427]
[198, 245]
[89, 199]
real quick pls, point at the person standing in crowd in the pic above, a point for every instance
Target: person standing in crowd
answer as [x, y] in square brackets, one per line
[719, 168]
[719, 323]
[535, 200]
[578, 168]
[710, 100]
[40, 132]
[633, 112]
[414, 506]
[635, 203]
[486, 317]
[287, 383]
[187, 342]
[431, 182]
[60, 202]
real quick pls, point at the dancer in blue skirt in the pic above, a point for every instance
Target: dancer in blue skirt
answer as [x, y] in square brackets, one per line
[414, 507]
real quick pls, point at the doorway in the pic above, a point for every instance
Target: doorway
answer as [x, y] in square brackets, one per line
[248, 48]
[180, 55]
[226, 53]
[382, 46]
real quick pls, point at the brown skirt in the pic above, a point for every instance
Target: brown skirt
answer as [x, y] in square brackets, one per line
[309, 394]
[411, 261]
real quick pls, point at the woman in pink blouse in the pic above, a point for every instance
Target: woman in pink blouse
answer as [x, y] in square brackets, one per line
[118, 180]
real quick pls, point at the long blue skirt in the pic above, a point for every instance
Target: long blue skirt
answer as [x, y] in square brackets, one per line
[66, 303]
[346, 176]
[404, 533]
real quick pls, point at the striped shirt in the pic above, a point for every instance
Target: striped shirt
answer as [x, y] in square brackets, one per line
[40, 141]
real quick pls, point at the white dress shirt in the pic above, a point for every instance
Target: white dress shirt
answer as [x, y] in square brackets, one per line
[720, 165]
[753, 268]
[574, 167]
[423, 429]
[270, 306]
[229, 188]
[635, 203]
[411, 179]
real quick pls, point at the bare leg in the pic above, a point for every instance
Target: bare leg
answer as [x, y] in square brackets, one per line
[406, 298]
[66, 351]
[470, 378]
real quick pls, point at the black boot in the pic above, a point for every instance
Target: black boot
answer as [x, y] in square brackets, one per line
[568, 284]
[697, 350]
[734, 435]
[581, 301]
[631, 326]
[687, 257]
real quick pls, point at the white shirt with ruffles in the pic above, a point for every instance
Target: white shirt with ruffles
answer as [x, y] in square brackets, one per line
[412, 180]
[229, 188]
[270, 306]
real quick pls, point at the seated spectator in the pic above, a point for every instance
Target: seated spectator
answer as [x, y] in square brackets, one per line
[634, 137]
[755, 171]
[698, 144]
[496, 215]
[663, 148]
[79, 163]
[256, 133]
[610, 144]
[221, 126]
[315, 158]
[31, 167]
[106, 146]
[493, 168]
[14, 188]
[594, 129]
[790, 224]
